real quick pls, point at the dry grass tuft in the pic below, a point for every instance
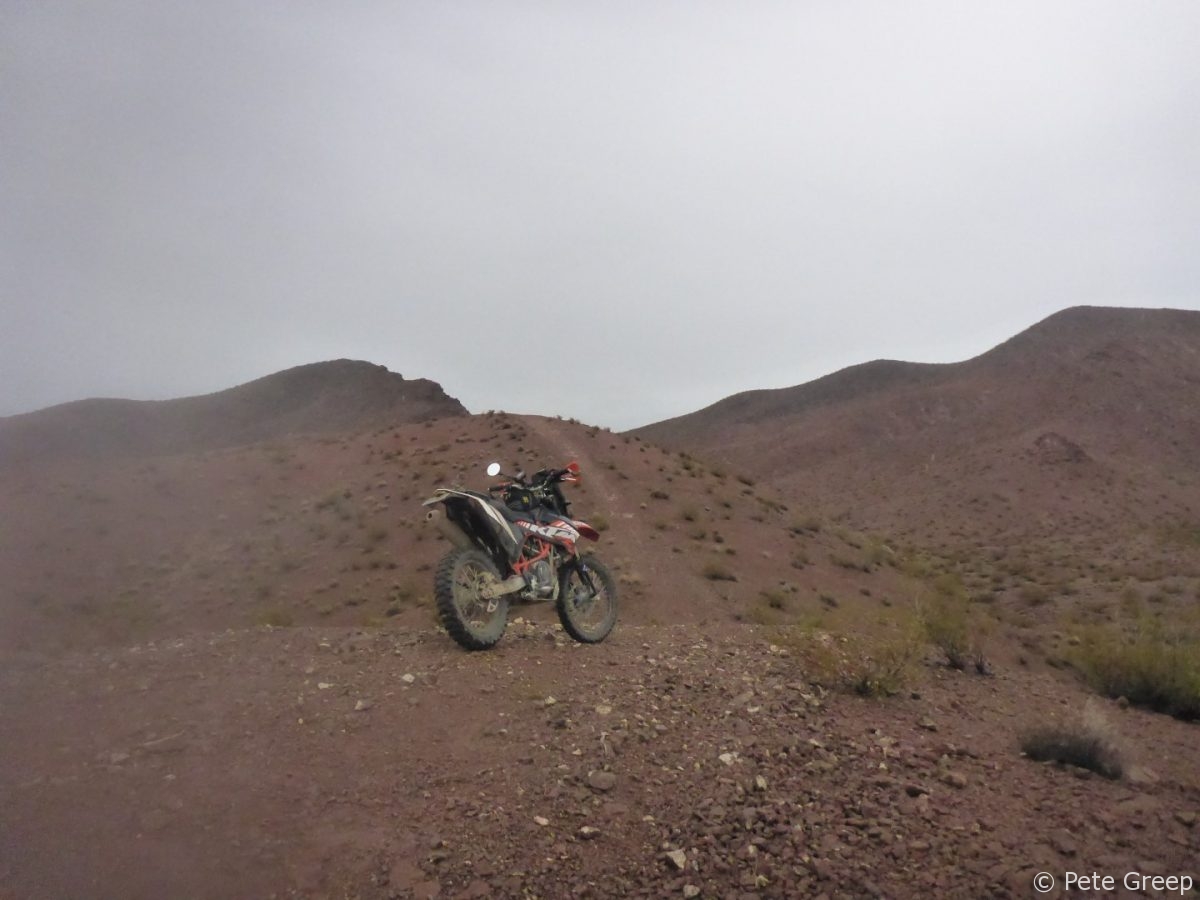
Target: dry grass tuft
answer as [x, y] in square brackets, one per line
[714, 571]
[870, 666]
[1087, 743]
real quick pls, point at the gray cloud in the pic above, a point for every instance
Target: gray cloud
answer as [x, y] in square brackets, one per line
[619, 212]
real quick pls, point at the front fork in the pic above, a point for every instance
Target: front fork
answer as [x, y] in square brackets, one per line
[585, 578]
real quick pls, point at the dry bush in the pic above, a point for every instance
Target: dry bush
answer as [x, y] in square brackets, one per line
[279, 618]
[1154, 667]
[953, 627]
[714, 571]
[1034, 594]
[867, 665]
[805, 524]
[885, 668]
[1086, 742]
[775, 598]
[846, 562]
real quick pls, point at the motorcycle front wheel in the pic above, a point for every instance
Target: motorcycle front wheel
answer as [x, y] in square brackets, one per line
[587, 600]
[475, 623]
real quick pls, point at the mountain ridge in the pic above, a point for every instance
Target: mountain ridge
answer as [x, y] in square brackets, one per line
[322, 397]
[890, 444]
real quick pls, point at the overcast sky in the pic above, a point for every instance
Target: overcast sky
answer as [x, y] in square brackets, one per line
[618, 211]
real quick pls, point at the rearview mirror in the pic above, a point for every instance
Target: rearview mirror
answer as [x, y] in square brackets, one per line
[493, 470]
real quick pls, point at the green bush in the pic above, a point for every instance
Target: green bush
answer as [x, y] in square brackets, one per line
[885, 668]
[1152, 667]
[868, 666]
[952, 628]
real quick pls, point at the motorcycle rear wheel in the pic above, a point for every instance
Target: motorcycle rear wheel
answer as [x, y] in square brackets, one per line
[587, 600]
[475, 623]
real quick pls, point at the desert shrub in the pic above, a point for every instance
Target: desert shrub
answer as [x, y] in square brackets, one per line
[759, 614]
[916, 566]
[1086, 743]
[280, 618]
[689, 514]
[599, 522]
[950, 586]
[846, 562]
[1034, 594]
[805, 524]
[870, 666]
[1153, 667]
[659, 495]
[951, 627]
[877, 553]
[714, 571]
[1184, 534]
[775, 599]
[886, 667]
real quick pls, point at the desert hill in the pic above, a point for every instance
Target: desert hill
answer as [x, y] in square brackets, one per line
[1085, 424]
[327, 397]
[223, 677]
[329, 529]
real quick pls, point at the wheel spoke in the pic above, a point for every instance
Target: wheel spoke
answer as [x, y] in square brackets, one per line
[470, 616]
[589, 601]
[468, 586]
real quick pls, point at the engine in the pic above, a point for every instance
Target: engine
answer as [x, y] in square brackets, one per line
[541, 578]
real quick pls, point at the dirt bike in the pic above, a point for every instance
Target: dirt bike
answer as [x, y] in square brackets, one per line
[518, 541]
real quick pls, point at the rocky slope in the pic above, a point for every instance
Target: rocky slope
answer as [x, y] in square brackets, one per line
[1083, 422]
[321, 530]
[679, 761]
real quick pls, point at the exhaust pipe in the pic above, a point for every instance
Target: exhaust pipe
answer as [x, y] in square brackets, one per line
[455, 535]
[449, 530]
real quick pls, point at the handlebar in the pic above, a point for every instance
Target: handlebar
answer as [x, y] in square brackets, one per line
[540, 479]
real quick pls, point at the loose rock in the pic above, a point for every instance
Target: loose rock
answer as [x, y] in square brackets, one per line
[677, 858]
[601, 781]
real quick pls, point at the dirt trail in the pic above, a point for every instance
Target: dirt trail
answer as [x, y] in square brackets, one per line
[568, 448]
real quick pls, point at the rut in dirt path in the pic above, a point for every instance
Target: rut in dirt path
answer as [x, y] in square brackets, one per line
[592, 470]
